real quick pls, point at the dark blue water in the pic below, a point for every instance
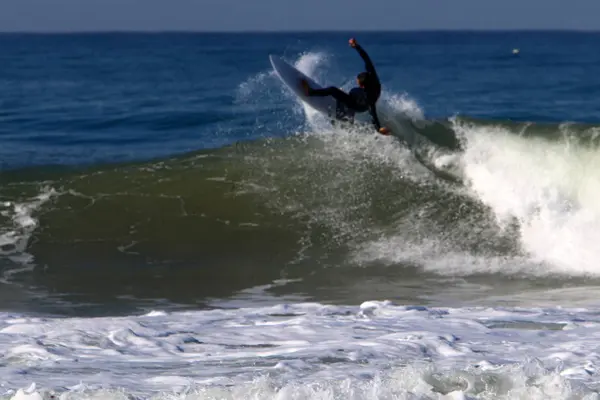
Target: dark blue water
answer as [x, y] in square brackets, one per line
[106, 97]
[182, 171]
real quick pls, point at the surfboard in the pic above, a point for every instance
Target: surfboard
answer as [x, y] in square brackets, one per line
[291, 77]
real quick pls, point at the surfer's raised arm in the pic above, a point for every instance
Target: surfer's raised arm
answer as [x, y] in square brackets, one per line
[369, 82]
[363, 54]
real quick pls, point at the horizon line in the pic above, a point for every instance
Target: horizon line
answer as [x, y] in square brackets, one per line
[292, 31]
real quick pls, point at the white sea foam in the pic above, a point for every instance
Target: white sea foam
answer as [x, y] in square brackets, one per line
[550, 188]
[306, 351]
[20, 223]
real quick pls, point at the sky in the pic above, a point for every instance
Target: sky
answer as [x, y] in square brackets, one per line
[349, 15]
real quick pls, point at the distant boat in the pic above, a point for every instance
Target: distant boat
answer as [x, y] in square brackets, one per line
[516, 51]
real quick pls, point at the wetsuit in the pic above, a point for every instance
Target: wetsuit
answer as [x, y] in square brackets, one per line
[358, 99]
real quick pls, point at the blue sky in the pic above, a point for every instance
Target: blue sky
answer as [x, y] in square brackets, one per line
[201, 15]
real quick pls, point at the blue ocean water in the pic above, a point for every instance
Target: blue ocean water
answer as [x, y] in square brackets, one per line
[104, 97]
[174, 223]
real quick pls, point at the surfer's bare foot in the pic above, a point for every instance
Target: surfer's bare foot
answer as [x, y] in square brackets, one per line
[384, 131]
[305, 86]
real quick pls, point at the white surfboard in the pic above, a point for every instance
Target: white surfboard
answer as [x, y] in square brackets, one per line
[291, 77]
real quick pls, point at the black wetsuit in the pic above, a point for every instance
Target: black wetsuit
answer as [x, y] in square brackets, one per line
[358, 99]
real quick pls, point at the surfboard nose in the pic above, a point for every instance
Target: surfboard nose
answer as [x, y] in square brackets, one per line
[274, 60]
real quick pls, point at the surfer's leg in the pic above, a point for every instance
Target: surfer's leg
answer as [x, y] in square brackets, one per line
[343, 112]
[342, 97]
[333, 92]
[345, 104]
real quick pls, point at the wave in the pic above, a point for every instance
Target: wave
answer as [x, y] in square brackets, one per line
[306, 206]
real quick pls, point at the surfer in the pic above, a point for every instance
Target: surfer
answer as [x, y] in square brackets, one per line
[359, 99]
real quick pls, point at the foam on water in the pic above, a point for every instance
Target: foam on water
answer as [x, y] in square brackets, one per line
[550, 189]
[20, 224]
[305, 351]
[546, 190]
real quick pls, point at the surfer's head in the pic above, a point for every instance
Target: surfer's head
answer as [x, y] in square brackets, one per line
[361, 79]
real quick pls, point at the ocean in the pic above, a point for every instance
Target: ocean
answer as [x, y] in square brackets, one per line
[174, 224]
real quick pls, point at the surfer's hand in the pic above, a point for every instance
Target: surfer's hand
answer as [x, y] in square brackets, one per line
[384, 131]
[352, 42]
